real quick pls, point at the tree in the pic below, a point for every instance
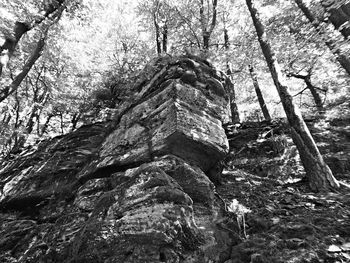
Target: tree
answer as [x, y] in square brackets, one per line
[5, 92]
[159, 12]
[338, 13]
[306, 77]
[161, 28]
[208, 22]
[51, 10]
[27, 88]
[261, 100]
[231, 88]
[319, 175]
[300, 50]
[332, 44]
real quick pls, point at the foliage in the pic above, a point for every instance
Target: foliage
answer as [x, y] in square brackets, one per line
[92, 55]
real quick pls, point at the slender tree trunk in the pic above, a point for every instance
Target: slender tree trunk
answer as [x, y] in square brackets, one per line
[316, 96]
[231, 88]
[206, 38]
[157, 28]
[165, 38]
[233, 105]
[261, 100]
[207, 30]
[343, 59]
[226, 39]
[46, 124]
[75, 120]
[62, 122]
[319, 175]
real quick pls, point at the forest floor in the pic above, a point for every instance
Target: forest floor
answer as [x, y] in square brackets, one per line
[278, 218]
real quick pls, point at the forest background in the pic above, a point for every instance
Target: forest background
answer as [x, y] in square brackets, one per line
[65, 63]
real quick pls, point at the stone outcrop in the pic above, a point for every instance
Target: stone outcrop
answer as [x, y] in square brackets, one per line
[136, 188]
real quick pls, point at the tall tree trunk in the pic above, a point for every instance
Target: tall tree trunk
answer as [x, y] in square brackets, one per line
[7, 91]
[231, 88]
[343, 59]
[157, 31]
[319, 175]
[339, 15]
[261, 100]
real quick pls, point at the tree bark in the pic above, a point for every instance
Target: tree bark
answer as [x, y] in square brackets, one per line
[46, 124]
[339, 15]
[226, 39]
[319, 175]
[157, 31]
[233, 105]
[7, 49]
[20, 28]
[206, 32]
[206, 38]
[75, 119]
[343, 59]
[7, 91]
[261, 100]
[165, 38]
[231, 88]
[316, 96]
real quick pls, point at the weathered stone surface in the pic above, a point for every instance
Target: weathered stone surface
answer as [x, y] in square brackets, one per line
[192, 179]
[89, 193]
[36, 177]
[180, 120]
[132, 189]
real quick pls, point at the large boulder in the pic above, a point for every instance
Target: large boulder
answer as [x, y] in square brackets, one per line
[131, 189]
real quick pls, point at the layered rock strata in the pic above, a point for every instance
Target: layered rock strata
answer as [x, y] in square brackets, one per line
[136, 188]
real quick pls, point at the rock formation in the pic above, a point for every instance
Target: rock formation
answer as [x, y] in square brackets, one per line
[136, 188]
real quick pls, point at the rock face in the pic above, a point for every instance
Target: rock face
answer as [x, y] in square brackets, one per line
[131, 189]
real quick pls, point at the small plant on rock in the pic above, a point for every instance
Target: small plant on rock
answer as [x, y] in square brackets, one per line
[239, 211]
